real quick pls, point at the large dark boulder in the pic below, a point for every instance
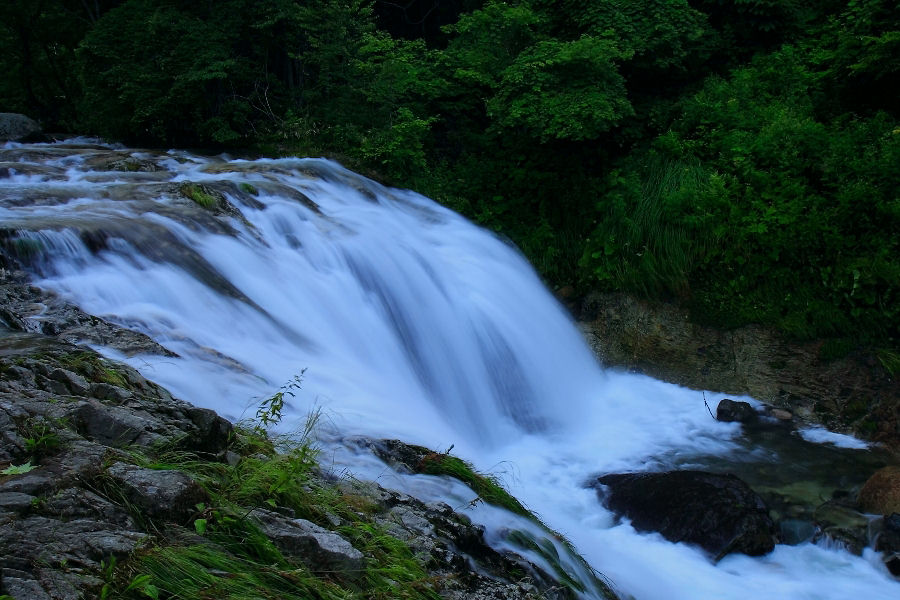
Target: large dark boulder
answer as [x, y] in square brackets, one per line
[15, 127]
[719, 513]
[731, 411]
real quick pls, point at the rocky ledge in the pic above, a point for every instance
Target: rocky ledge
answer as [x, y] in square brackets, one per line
[104, 476]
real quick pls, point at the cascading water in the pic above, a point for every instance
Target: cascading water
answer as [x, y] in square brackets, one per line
[410, 323]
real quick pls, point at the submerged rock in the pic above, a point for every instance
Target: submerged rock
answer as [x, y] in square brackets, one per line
[719, 513]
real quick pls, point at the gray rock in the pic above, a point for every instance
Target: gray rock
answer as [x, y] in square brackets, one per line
[14, 127]
[33, 483]
[106, 391]
[80, 542]
[23, 588]
[212, 430]
[15, 501]
[160, 494]
[323, 550]
[73, 382]
[115, 426]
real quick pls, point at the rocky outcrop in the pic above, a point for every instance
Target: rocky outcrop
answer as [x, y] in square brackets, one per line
[719, 513]
[15, 127]
[852, 394]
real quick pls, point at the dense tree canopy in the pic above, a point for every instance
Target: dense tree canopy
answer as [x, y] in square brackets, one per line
[740, 156]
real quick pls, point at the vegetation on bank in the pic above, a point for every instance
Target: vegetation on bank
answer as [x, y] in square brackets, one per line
[230, 557]
[737, 157]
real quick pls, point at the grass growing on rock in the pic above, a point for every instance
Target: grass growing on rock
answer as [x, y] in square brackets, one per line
[487, 487]
[93, 368]
[221, 552]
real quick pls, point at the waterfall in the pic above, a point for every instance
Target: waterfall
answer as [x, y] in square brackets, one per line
[406, 320]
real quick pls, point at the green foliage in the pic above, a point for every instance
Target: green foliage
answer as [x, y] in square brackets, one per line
[270, 409]
[238, 561]
[649, 235]
[18, 469]
[565, 90]
[41, 438]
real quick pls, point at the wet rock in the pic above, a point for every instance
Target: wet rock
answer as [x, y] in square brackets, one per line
[75, 384]
[15, 501]
[719, 513]
[731, 411]
[22, 587]
[780, 414]
[159, 494]
[15, 127]
[850, 540]
[881, 493]
[212, 430]
[115, 426]
[888, 542]
[323, 550]
[53, 554]
[106, 391]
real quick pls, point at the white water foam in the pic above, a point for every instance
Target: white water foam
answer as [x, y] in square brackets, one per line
[411, 323]
[820, 435]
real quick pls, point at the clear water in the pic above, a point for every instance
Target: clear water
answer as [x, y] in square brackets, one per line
[411, 323]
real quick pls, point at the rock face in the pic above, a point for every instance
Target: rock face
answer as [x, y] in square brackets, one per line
[15, 127]
[852, 394]
[719, 513]
[881, 493]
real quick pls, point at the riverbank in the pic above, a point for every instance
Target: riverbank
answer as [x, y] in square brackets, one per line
[853, 394]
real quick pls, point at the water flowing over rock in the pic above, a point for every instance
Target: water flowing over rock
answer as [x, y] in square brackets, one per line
[223, 280]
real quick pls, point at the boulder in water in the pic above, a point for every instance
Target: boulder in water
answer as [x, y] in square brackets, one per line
[15, 127]
[888, 542]
[880, 495]
[730, 411]
[719, 513]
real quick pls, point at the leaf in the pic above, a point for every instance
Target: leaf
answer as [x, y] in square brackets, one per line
[200, 526]
[18, 469]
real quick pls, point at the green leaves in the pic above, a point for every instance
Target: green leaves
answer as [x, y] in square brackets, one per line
[563, 90]
[18, 469]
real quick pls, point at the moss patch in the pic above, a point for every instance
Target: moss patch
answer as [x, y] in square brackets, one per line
[199, 195]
